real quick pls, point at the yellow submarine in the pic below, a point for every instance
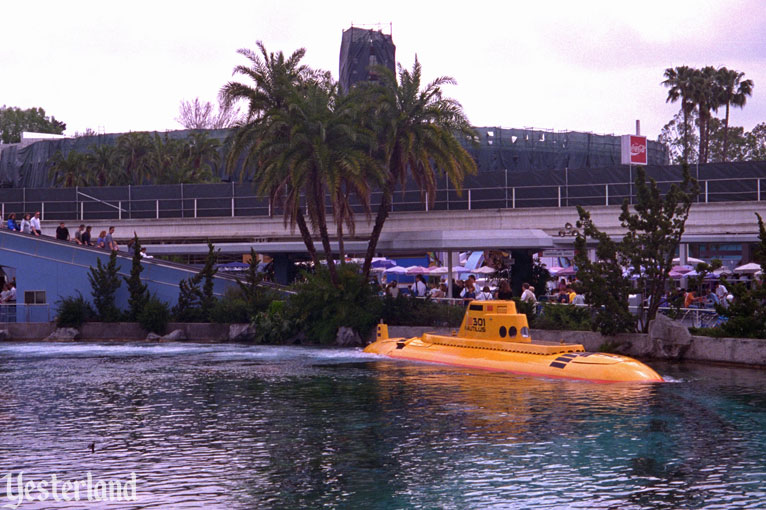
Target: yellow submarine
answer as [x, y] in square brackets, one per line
[494, 337]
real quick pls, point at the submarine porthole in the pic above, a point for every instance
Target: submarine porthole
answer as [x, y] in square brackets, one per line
[525, 332]
[512, 331]
[503, 332]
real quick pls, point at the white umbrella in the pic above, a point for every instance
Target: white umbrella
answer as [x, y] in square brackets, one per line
[485, 270]
[417, 270]
[438, 270]
[396, 270]
[689, 260]
[752, 267]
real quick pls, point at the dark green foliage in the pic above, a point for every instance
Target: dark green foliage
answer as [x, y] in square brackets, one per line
[14, 120]
[746, 315]
[274, 325]
[602, 282]
[540, 276]
[139, 294]
[321, 308]
[195, 303]
[154, 316]
[408, 311]
[233, 308]
[73, 312]
[256, 296]
[570, 317]
[104, 283]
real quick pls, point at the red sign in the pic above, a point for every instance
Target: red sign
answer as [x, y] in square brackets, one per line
[634, 150]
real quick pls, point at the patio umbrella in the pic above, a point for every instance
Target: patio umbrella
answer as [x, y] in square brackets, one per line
[555, 270]
[438, 270]
[382, 263]
[417, 270]
[485, 270]
[750, 268]
[690, 260]
[681, 269]
[396, 270]
[569, 271]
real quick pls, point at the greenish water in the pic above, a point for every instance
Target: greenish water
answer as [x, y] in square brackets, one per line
[223, 426]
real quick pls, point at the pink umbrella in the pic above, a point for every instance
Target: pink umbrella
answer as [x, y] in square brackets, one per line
[417, 270]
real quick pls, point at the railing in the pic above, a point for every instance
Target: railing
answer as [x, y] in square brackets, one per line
[9, 312]
[224, 200]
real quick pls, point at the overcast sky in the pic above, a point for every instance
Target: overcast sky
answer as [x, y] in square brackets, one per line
[585, 66]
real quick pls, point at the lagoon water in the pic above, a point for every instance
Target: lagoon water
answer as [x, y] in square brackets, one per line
[227, 426]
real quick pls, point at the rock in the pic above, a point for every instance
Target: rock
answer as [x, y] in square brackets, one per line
[670, 339]
[4, 335]
[177, 335]
[64, 334]
[152, 337]
[347, 337]
[241, 333]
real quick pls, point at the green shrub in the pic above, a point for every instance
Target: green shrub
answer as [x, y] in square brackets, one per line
[320, 309]
[528, 309]
[73, 312]
[154, 316]
[232, 308]
[273, 325]
[561, 317]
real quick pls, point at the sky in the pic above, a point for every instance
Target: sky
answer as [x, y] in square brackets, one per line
[559, 65]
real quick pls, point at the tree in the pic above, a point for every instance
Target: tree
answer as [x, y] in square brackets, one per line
[416, 137]
[194, 303]
[104, 283]
[14, 120]
[680, 139]
[103, 165]
[70, 171]
[276, 79]
[681, 84]
[196, 114]
[733, 91]
[654, 230]
[139, 293]
[602, 281]
[756, 143]
[133, 150]
[706, 93]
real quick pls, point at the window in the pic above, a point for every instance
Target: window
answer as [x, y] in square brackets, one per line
[34, 297]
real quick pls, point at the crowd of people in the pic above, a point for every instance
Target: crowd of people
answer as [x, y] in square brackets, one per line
[30, 224]
[462, 290]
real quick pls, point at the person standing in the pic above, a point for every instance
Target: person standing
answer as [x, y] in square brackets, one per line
[85, 237]
[109, 243]
[504, 293]
[62, 233]
[78, 234]
[35, 224]
[26, 224]
[420, 286]
[721, 293]
[528, 296]
[12, 225]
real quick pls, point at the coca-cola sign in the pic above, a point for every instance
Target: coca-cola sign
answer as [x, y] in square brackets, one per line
[634, 150]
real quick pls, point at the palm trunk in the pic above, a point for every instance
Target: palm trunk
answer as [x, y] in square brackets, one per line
[726, 135]
[321, 216]
[341, 247]
[380, 219]
[306, 235]
[686, 136]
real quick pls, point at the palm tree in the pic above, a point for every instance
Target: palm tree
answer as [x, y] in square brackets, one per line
[417, 137]
[134, 149]
[202, 152]
[70, 171]
[680, 82]
[706, 95]
[257, 141]
[103, 164]
[733, 91]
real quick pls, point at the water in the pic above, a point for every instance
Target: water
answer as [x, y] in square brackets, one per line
[223, 426]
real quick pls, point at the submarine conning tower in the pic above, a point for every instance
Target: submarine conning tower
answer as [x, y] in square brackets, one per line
[494, 320]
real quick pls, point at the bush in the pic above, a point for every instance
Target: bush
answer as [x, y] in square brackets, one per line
[231, 309]
[154, 316]
[570, 317]
[273, 325]
[528, 309]
[320, 309]
[73, 312]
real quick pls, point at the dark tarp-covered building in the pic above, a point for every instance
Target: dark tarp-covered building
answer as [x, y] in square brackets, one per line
[362, 49]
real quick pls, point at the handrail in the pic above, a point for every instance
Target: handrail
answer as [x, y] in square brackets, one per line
[225, 203]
